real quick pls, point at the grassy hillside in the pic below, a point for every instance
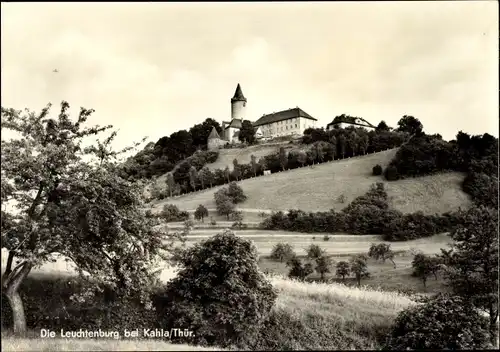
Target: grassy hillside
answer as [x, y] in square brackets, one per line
[226, 156]
[317, 188]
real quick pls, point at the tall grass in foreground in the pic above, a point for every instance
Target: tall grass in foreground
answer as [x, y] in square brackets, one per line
[328, 316]
[335, 292]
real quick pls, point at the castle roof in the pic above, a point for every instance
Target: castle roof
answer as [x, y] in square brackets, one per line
[213, 134]
[238, 95]
[236, 123]
[283, 115]
[356, 121]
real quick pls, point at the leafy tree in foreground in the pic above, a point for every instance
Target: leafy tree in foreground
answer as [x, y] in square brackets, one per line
[220, 293]
[201, 213]
[441, 323]
[283, 158]
[472, 262]
[282, 252]
[71, 201]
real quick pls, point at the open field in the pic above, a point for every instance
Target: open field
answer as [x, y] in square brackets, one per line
[317, 188]
[226, 156]
[338, 244]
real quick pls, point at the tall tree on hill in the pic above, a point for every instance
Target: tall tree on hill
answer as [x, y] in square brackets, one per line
[342, 145]
[320, 150]
[227, 174]
[333, 142]
[472, 262]
[410, 125]
[170, 183]
[352, 142]
[363, 143]
[181, 145]
[382, 127]
[302, 157]
[206, 176]
[200, 132]
[247, 132]
[263, 163]
[193, 175]
[254, 164]
[236, 169]
[72, 201]
[283, 158]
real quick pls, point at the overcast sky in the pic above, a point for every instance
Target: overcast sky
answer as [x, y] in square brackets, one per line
[151, 69]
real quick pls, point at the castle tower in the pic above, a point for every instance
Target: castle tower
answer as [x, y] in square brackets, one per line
[238, 105]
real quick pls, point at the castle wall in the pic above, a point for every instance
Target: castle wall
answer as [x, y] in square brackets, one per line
[215, 143]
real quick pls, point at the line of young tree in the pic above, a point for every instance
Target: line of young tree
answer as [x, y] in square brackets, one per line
[367, 214]
[188, 178]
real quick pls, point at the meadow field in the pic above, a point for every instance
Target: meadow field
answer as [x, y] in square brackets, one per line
[318, 188]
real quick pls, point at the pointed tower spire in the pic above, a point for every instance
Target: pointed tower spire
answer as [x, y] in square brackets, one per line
[213, 134]
[238, 95]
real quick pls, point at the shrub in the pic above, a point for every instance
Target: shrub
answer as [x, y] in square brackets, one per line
[326, 238]
[391, 173]
[220, 293]
[377, 170]
[441, 323]
[282, 252]
[171, 213]
[213, 222]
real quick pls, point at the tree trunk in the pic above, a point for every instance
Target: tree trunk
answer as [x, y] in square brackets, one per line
[493, 325]
[424, 280]
[10, 260]
[359, 280]
[11, 285]
[393, 262]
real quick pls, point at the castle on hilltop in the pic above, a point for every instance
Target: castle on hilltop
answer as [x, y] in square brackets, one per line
[283, 123]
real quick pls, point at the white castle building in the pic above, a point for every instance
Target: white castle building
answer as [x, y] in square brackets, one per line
[282, 123]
